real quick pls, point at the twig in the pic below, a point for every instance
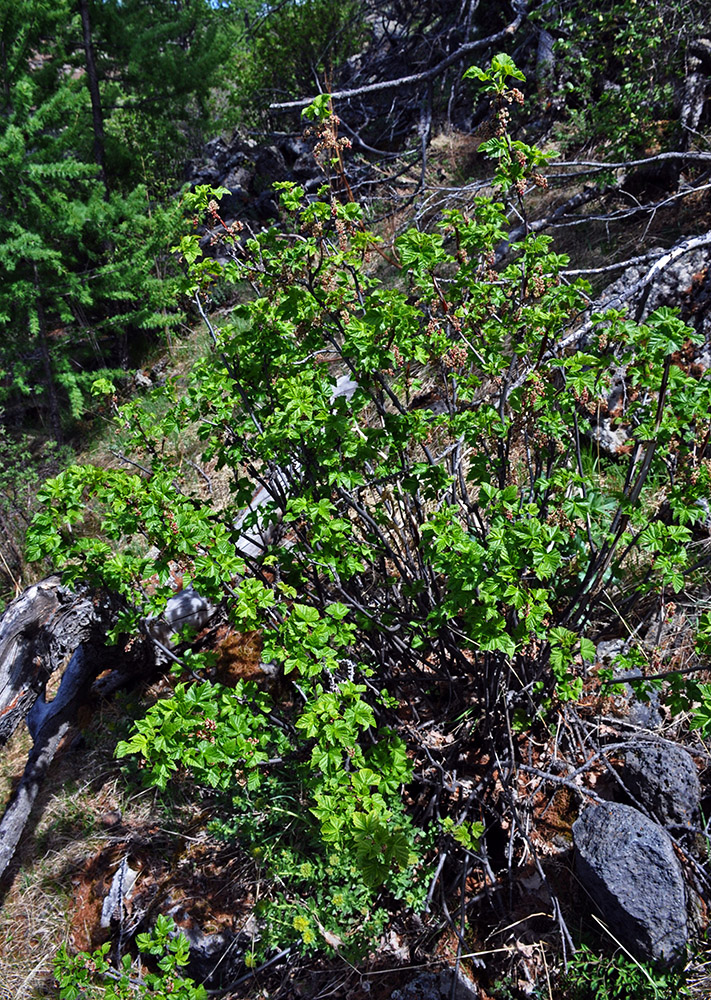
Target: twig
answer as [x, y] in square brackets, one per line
[202, 473]
[597, 166]
[435, 879]
[129, 461]
[249, 975]
[205, 319]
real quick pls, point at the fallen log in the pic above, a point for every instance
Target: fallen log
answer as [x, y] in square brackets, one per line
[48, 725]
[46, 628]
[39, 631]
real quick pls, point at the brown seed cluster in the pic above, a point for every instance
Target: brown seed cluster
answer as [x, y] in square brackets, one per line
[456, 357]
[327, 136]
[207, 730]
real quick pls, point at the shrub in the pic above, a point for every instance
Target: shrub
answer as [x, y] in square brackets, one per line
[429, 530]
[592, 976]
[92, 976]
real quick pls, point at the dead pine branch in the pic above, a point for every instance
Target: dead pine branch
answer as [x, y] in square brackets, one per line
[426, 76]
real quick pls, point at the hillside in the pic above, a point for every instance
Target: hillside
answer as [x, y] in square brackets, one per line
[355, 500]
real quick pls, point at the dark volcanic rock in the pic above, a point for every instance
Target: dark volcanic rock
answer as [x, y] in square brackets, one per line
[628, 866]
[249, 171]
[663, 778]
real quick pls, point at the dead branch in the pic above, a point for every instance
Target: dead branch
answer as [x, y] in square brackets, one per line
[598, 166]
[426, 76]
[665, 260]
[581, 198]
[621, 265]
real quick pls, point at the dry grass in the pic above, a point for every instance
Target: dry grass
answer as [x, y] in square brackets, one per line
[73, 819]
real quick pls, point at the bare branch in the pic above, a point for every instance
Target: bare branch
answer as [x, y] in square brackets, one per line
[424, 77]
[667, 258]
[598, 166]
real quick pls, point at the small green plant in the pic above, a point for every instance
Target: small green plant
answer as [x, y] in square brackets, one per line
[312, 806]
[93, 977]
[596, 976]
[516, 161]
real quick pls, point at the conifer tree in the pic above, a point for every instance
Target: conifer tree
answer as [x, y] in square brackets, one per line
[78, 267]
[157, 62]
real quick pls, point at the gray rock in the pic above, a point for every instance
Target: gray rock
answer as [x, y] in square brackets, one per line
[305, 166]
[422, 987]
[292, 147]
[607, 650]
[238, 177]
[207, 954]
[186, 609]
[611, 440]
[345, 386]
[663, 777]
[645, 714]
[642, 712]
[628, 866]
[437, 986]
[270, 166]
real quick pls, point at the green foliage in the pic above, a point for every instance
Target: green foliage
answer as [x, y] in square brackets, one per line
[596, 976]
[158, 63]
[515, 160]
[619, 63]
[93, 977]
[24, 463]
[85, 254]
[398, 541]
[467, 835]
[495, 79]
[309, 800]
[291, 45]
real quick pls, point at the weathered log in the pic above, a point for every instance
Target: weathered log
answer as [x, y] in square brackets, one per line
[48, 724]
[39, 631]
[44, 628]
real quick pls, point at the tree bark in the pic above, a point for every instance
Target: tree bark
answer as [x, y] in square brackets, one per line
[55, 417]
[38, 631]
[48, 724]
[93, 81]
[698, 62]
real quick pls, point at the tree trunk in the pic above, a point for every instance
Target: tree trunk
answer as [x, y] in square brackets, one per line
[93, 81]
[38, 631]
[48, 725]
[50, 387]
